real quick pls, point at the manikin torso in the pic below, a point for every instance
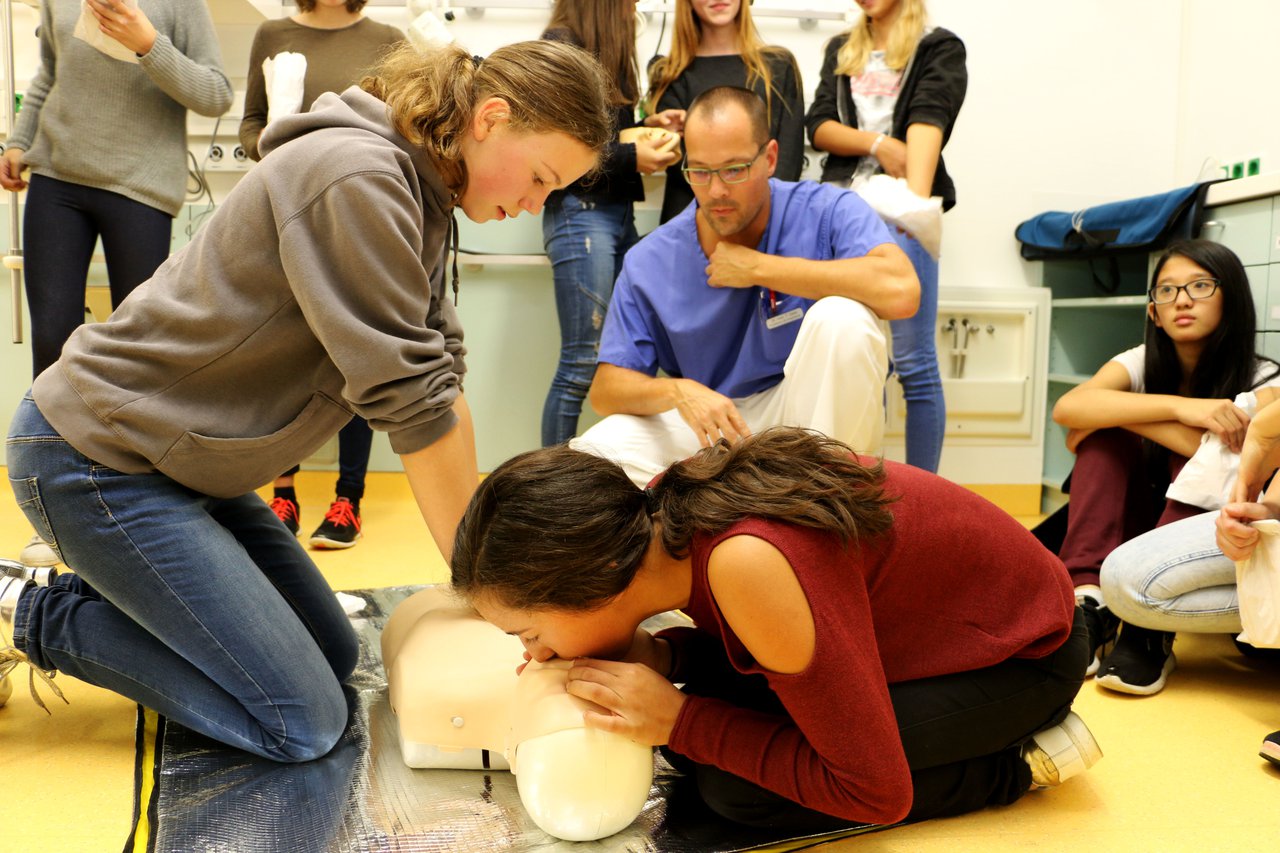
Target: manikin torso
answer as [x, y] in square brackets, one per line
[459, 704]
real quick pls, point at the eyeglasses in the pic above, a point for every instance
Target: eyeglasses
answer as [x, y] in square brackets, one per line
[1201, 288]
[734, 173]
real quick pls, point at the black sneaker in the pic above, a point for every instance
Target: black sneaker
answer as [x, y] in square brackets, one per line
[1271, 748]
[1257, 652]
[340, 528]
[1102, 625]
[287, 511]
[1140, 663]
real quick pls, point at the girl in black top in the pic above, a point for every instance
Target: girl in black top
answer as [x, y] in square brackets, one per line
[588, 226]
[721, 47]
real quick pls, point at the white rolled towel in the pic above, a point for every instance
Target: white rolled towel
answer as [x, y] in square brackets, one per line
[898, 205]
[86, 29]
[1209, 476]
[284, 73]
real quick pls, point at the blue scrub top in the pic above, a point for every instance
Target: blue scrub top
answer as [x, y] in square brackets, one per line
[663, 314]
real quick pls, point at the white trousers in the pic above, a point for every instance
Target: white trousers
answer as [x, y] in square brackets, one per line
[833, 382]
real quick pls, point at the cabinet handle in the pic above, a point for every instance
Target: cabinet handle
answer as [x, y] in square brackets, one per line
[1212, 223]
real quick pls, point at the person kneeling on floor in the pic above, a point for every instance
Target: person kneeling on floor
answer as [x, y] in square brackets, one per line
[873, 643]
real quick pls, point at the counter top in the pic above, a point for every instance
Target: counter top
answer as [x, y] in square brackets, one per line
[1243, 189]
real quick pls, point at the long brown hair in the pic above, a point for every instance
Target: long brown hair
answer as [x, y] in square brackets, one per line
[610, 39]
[551, 88]
[352, 6]
[684, 48]
[559, 529]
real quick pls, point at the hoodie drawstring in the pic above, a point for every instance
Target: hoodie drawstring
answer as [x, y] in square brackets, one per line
[453, 229]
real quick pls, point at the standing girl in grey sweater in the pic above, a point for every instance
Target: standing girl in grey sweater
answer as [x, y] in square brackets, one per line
[106, 142]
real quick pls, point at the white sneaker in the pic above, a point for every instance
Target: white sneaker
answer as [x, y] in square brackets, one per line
[39, 553]
[11, 589]
[42, 575]
[1059, 752]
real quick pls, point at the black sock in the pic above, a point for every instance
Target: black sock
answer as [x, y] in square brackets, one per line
[355, 499]
[286, 492]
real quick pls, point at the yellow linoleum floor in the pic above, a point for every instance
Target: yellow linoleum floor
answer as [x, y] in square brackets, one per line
[1181, 771]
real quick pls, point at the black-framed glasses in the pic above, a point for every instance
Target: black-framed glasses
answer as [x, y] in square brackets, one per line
[1201, 288]
[734, 173]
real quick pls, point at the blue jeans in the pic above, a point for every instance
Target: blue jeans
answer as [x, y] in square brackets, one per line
[585, 241]
[915, 360]
[61, 225]
[1174, 578]
[206, 609]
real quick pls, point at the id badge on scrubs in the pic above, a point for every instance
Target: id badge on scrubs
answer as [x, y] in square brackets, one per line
[784, 318]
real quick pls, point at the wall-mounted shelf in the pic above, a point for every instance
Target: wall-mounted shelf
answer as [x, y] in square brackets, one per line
[1101, 302]
[478, 260]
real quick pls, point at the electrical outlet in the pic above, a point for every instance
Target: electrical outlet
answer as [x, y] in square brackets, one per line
[1237, 170]
[216, 153]
[1254, 166]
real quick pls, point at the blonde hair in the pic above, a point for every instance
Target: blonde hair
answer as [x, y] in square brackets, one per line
[684, 47]
[551, 87]
[904, 35]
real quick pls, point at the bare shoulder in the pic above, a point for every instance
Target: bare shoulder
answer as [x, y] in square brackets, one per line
[756, 589]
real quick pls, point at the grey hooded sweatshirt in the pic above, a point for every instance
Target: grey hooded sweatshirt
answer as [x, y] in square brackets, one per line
[315, 291]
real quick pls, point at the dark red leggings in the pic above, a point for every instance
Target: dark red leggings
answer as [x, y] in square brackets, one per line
[1113, 500]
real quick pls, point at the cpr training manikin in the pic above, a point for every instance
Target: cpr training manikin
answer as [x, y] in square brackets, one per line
[459, 704]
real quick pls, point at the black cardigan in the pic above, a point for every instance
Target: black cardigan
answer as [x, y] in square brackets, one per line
[932, 93]
[617, 178]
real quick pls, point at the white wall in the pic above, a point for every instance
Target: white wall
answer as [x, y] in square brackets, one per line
[1225, 111]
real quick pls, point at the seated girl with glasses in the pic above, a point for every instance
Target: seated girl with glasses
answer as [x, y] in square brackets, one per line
[1134, 424]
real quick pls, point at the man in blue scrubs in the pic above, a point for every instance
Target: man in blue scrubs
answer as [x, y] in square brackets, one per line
[761, 303]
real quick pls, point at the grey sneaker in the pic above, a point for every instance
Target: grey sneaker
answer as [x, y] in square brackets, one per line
[11, 590]
[1059, 752]
[42, 575]
[39, 553]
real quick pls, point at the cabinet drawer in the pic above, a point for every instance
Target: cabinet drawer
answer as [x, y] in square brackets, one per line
[1245, 228]
[1269, 310]
[1274, 237]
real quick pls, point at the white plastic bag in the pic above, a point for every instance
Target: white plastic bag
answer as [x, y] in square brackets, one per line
[87, 30]
[1258, 588]
[898, 205]
[1210, 474]
[284, 75]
